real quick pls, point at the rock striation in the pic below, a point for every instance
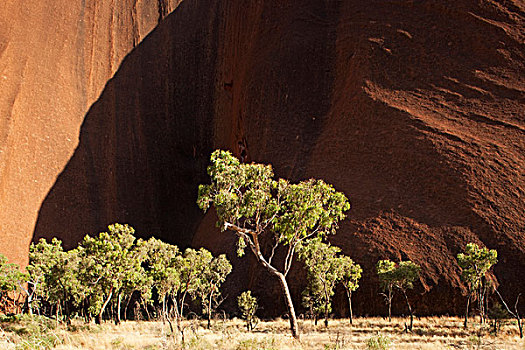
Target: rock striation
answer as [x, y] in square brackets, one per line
[413, 108]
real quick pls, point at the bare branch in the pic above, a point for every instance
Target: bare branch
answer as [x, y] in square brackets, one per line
[273, 250]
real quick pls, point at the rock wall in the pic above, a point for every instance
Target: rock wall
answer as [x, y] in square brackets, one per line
[414, 109]
[55, 59]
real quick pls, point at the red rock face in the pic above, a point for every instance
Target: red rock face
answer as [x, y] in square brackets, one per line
[55, 58]
[414, 109]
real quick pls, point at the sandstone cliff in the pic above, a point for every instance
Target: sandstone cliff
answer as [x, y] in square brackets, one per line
[413, 108]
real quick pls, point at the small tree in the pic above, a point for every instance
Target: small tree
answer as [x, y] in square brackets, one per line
[57, 274]
[109, 263]
[248, 306]
[406, 274]
[401, 276]
[11, 280]
[324, 270]
[475, 263]
[264, 212]
[515, 313]
[214, 274]
[191, 269]
[162, 261]
[350, 278]
[386, 271]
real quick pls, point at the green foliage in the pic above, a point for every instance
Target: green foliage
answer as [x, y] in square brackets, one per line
[386, 272]
[475, 262]
[248, 306]
[378, 342]
[401, 276]
[324, 270]
[109, 268]
[246, 195]
[54, 273]
[162, 261]
[34, 332]
[111, 265]
[216, 269]
[10, 279]
[498, 315]
[351, 273]
[258, 208]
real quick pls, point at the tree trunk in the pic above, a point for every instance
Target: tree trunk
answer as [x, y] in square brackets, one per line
[349, 295]
[289, 304]
[98, 320]
[58, 303]
[327, 301]
[209, 309]
[126, 308]
[465, 324]
[389, 304]
[410, 311]
[119, 305]
[164, 311]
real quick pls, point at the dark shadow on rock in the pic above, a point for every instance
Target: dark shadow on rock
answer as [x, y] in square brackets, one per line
[144, 145]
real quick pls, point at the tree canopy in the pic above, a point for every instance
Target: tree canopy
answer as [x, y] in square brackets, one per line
[263, 211]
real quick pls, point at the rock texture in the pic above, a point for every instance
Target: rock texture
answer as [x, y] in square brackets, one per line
[415, 109]
[55, 59]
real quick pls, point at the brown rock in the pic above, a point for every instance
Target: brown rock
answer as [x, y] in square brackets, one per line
[413, 108]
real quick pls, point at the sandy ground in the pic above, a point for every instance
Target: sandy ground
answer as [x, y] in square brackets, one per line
[428, 333]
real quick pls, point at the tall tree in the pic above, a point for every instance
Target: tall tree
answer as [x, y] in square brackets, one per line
[406, 274]
[475, 263]
[264, 212]
[109, 263]
[57, 274]
[215, 272]
[350, 280]
[324, 270]
[386, 272]
[401, 276]
[162, 262]
[11, 279]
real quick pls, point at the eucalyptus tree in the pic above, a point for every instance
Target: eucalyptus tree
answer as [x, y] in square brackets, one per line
[216, 269]
[191, 269]
[406, 274]
[350, 279]
[386, 272]
[162, 261]
[475, 263]
[54, 276]
[109, 263]
[324, 270]
[268, 214]
[401, 276]
[515, 313]
[248, 306]
[11, 279]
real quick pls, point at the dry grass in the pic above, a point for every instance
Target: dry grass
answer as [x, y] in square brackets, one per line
[428, 333]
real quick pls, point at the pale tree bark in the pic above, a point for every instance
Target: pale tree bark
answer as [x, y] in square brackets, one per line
[514, 313]
[251, 238]
[409, 310]
[289, 304]
[465, 323]
[119, 305]
[98, 319]
[349, 296]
